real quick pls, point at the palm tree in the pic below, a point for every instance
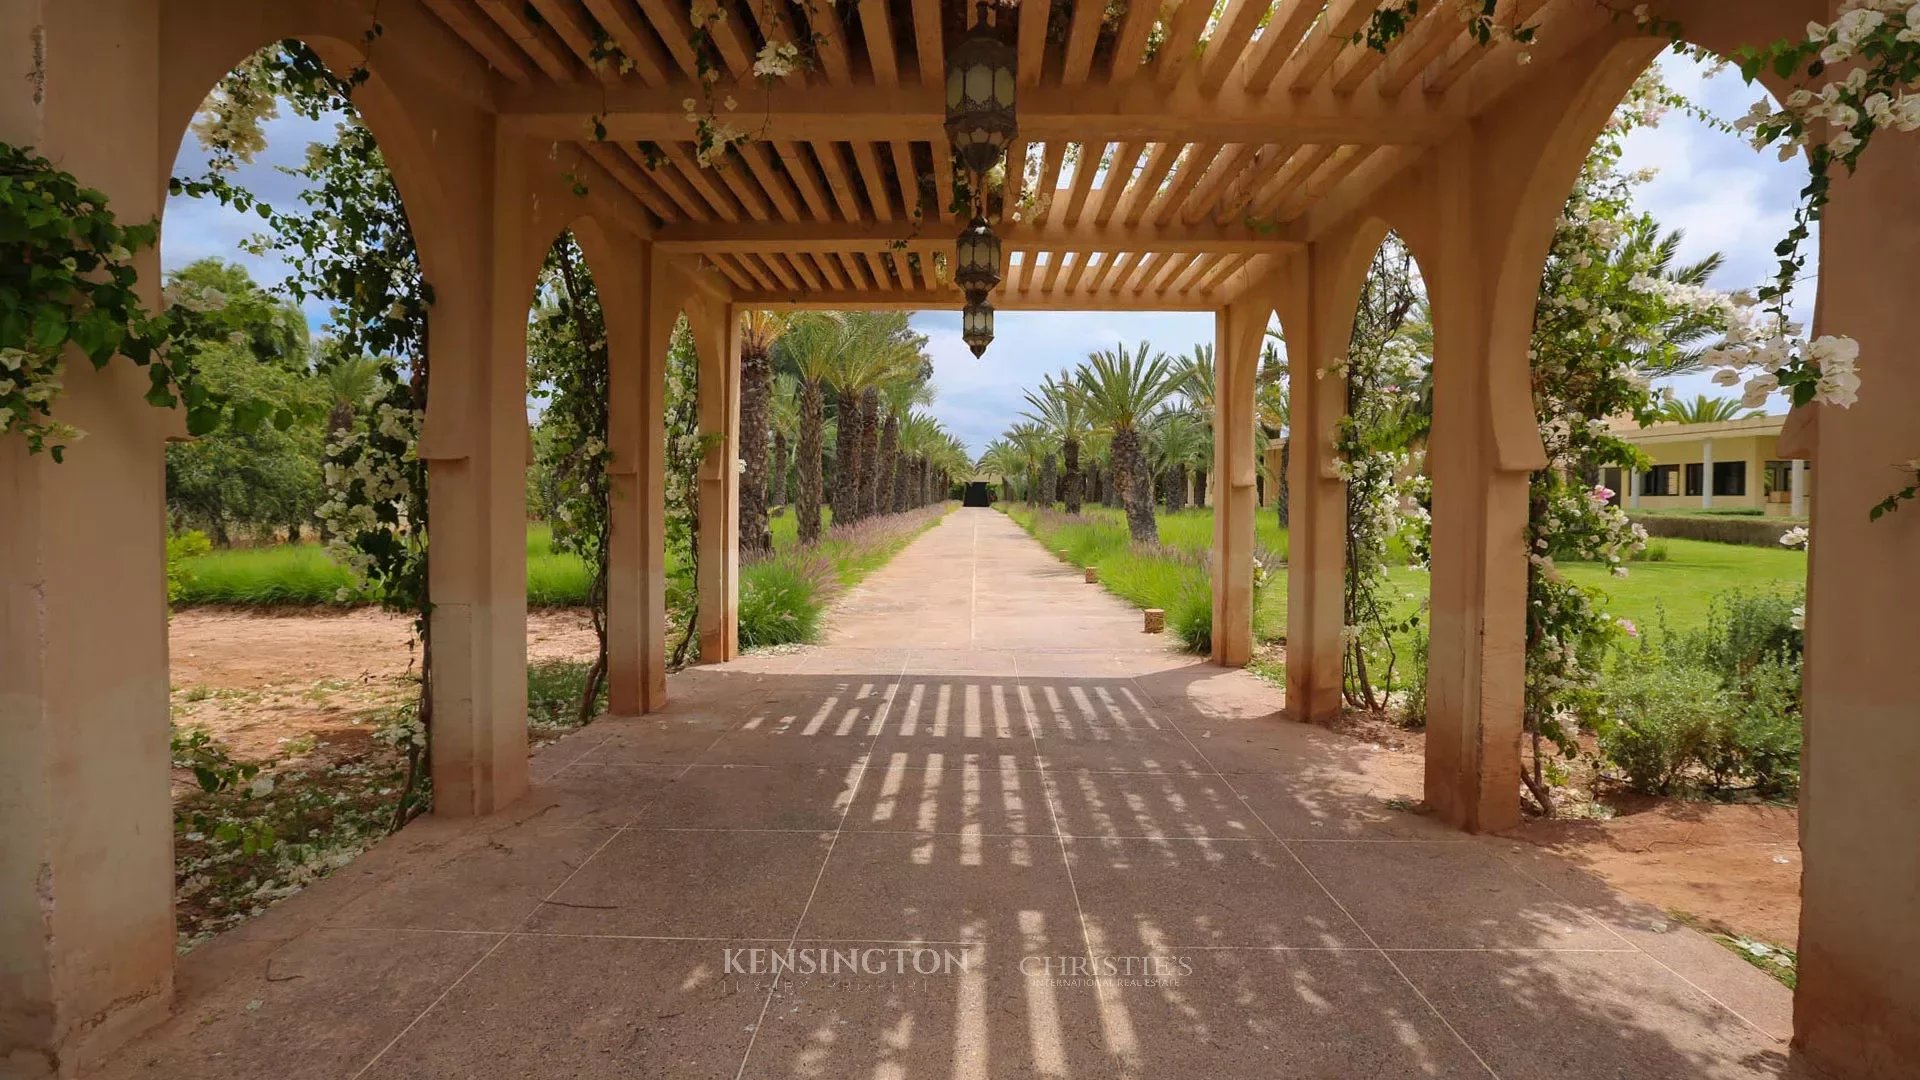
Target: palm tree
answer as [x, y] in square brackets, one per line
[814, 342]
[1031, 442]
[1121, 390]
[1273, 409]
[920, 438]
[1199, 385]
[1003, 459]
[880, 349]
[783, 416]
[758, 331]
[1060, 408]
[897, 398]
[1177, 444]
[1678, 344]
[1704, 410]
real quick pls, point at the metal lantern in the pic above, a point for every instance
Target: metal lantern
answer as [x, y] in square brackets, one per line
[976, 265]
[976, 323]
[981, 73]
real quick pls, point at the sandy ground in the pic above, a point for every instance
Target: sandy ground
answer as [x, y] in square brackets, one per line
[260, 683]
[264, 684]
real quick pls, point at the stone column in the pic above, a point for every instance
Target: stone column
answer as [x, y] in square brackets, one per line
[636, 437]
[86, 853]
[1633, 489]
[716, 331]
[1797, 484]
[476, 446]
[1706, 474]
[1857, 1011]
[1485, 441]
[1317, 506]
[1238, 329]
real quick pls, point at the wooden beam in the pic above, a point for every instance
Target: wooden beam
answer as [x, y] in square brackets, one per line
[1136, 111]
[1144, 188]
[1106, 199]
[540, 44]
[1081, 38]
[1183, 37]
[485, 37]
[801, 169]
[1279, 41]
[950, 299]
[1031, 43]
[1052, 235]
[878, 27]
[1130, 45]
[926, 43]
[578, 37]
[1227, 46]
[617, 18]
[1084, 172]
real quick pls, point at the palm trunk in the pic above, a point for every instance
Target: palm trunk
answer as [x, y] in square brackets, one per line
[777, 473]
[1135, 482]
[1176, 489]
[870, 452]
[1280, 482]
[1199, 487]
[846, 461]
[812, 421]
[1070, 457]
[1047, 480]
[756, 396]
[883, 497]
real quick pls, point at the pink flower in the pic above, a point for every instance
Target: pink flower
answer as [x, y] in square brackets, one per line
[1601, 493]
[1632, 630]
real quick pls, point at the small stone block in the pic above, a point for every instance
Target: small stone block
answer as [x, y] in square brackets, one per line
[1093, 574]
[1156, 620]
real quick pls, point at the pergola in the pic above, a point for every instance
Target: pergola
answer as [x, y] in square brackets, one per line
[1247, 164]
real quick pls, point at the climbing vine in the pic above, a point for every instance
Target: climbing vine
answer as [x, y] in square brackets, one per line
[1833, 120]
[567, 369]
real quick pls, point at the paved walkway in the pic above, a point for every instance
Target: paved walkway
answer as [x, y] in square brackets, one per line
[1048, 846]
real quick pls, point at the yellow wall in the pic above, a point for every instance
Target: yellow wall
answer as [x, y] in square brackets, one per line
[1754, 450]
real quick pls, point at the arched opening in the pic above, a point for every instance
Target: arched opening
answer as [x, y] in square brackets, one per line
[299, 707]
[1664, 672]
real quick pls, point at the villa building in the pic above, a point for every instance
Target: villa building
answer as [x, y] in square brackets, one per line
[1726, 464]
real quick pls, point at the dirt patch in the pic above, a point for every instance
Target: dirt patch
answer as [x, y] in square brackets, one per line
[269, 685]
[1730, 868]
[1734, 868]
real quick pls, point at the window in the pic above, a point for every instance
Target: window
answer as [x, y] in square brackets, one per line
[1695, 472]
[1729, 478]
[1661, 480]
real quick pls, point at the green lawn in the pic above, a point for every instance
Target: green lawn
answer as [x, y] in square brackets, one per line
[1681, 588]
[303, 575]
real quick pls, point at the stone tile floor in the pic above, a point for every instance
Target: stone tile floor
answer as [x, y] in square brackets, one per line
[1051, 850]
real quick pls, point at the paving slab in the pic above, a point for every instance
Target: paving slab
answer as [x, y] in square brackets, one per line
[1148, 872]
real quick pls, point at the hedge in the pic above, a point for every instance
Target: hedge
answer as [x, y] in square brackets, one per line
[1719, 528]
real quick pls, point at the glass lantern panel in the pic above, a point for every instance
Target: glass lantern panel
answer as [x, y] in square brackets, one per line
[956, 88]
[980, 82]
[1003, 88]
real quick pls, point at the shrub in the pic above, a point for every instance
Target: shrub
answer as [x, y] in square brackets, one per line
[180, 547]
[1719, 528]
[286, 575]
[1659, 718]
[1655, 551]
[1743, 630]
[1413, 707]
[782, 599]
[1190, 618]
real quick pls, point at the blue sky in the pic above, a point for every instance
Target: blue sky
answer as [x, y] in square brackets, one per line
[1723, 194]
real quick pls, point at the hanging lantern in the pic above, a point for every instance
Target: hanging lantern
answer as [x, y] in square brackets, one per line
[976, 266]
[976, 323]
[981, 73]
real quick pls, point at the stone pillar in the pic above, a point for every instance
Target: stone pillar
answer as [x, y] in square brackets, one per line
[476, 445]
[716, 332]
[1485, 441]
[1238, 329]
[1633, 490]
[1317, 506]
[1706, 474]
[1857, 1011]
[86, 852]
[636, 437]
[1797, 484]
